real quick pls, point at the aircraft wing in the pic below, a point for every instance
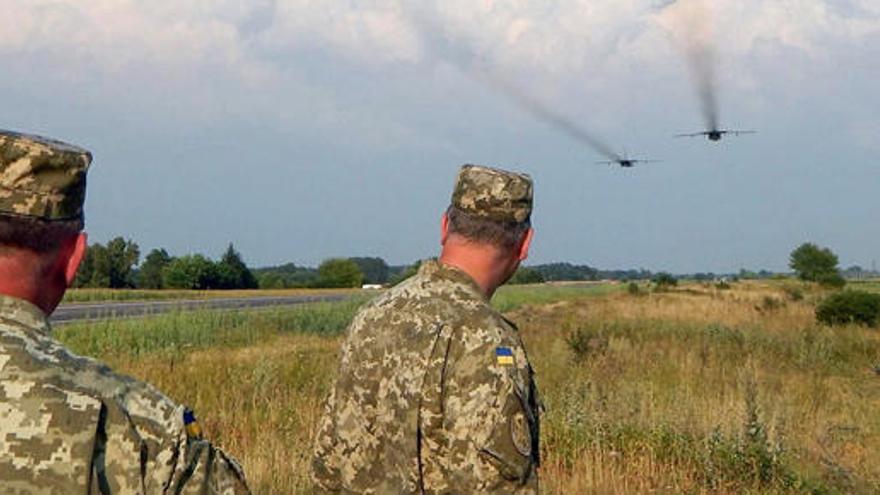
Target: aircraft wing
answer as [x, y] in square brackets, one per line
[694, 134]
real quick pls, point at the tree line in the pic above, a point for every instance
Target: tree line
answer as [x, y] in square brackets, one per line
[116, 265]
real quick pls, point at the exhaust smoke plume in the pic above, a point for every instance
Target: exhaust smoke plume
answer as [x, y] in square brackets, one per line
[689, 23]
[464, 58]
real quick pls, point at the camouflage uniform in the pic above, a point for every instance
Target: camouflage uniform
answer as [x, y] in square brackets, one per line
[435, 392]
[69, 424]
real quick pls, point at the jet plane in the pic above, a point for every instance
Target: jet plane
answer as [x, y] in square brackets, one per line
[715, 134]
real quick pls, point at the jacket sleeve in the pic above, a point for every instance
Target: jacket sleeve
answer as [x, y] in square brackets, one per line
[155, 446]
[479, 428]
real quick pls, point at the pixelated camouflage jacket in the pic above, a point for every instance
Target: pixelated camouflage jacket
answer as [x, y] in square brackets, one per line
[435, 394]
[70, 425]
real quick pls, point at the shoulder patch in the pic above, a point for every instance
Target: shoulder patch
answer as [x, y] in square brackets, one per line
[193, 428]
[504, 356]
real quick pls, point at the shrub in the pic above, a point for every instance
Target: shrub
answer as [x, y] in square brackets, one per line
[633, 289]
[664, 280]
[769, 303]
[852, 306]
[585, 342]
[338, 273]
[793, 293]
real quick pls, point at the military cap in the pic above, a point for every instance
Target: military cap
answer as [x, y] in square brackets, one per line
[42, 178]
[492, 193]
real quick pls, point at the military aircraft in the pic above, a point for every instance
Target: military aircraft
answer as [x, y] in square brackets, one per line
[715, 134]
[626, 162]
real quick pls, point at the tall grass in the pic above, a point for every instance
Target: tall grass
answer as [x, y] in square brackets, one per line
[511, 297]
[75, 296]
[189, 330]
[696, 390]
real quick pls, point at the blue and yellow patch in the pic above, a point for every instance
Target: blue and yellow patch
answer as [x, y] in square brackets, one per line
[191, 424]
[504, 356]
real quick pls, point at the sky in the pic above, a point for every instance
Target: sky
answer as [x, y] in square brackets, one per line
[305, 129]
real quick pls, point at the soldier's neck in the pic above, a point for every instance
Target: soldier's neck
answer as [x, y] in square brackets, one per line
[479, 262]
[24, 278]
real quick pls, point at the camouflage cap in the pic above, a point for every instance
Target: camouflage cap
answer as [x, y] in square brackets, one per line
[493, 193]
[41, 177]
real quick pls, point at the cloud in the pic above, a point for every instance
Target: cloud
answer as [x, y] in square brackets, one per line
[272, 59]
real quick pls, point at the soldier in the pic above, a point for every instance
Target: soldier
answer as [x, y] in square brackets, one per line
[435, 393]
[69, 424]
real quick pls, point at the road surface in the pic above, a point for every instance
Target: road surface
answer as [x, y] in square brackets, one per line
[67, 313]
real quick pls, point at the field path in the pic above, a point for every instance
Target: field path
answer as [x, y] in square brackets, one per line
[67, 313]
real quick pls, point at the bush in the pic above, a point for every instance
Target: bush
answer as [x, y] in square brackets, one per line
[769, 303]
[526, 276]
[664, 280]
[852, 306]
[633, 289]
[586, 342]
[339, 273]
[793, 293]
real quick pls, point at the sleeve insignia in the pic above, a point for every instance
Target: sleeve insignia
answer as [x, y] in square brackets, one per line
[504, 356]
[192, 426]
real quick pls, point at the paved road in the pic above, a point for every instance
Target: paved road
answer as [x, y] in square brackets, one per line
[67, 313]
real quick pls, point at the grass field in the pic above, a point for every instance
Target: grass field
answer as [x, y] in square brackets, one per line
[696, 390]
[74, 296]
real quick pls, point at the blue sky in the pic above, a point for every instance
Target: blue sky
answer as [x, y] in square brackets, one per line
[304, 129]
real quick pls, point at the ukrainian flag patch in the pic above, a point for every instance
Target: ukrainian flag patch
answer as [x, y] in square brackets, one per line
[504, 356]
[191, 424]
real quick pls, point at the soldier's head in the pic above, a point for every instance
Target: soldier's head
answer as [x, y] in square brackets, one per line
[42, 189]
[488, 223]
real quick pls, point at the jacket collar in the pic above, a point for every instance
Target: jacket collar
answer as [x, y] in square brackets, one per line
[435, 269]
[23, 313]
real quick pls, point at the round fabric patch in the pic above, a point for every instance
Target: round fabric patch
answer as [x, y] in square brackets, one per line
[520, 434]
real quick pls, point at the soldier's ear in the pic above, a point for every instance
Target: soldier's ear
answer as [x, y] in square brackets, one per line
[444, 229]
[526, 243]
[77, 254]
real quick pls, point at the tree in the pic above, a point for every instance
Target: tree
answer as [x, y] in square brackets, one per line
[191, 272]
[150, 275]
[122, 256]
[526, 276]
[339, 272]
[286, 276]
[664, 280]
[375, 270]
[233, 273]
[815, 264]
[405, 273]
[86, 269]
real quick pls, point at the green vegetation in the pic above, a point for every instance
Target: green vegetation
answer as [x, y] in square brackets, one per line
[338, 273]
[851, 306]
[151, 274]
[109, 266]
[526, 276]
[633, 289]
[815, 264]
[189, 330]
[287, 276]
[375, 270]
[511, 297]
[664, 280]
